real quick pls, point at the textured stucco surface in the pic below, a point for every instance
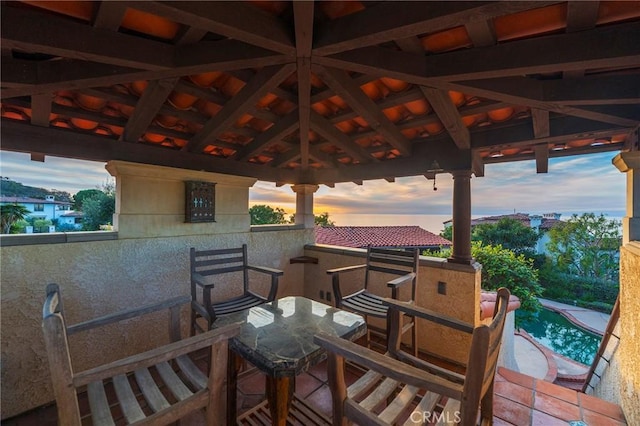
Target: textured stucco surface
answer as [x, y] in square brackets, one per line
[462, 300]
[145, 265]
[621, 382]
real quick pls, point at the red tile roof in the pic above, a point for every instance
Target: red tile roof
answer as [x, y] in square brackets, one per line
[379, 236]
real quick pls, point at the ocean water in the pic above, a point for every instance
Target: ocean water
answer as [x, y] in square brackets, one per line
[430, 222]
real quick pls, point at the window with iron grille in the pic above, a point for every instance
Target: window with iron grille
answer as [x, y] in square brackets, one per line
[200, 201]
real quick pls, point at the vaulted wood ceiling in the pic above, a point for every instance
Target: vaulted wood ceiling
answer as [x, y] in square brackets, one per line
[320, 92]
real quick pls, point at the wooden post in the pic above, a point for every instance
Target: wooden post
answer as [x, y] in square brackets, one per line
[461, 217]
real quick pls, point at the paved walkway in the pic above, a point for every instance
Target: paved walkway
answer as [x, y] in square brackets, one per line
[536, 361]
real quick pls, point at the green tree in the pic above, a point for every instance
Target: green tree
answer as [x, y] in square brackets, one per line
[263, 215]
[503, 268]
[318, 219]
[80, 196]
[587, 246]
[509, 233]
[10, 214]
[98, 210]
[447, 233]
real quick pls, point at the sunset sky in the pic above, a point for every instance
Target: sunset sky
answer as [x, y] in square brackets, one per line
[587, 183]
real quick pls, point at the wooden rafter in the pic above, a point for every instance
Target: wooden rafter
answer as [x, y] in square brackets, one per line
[344, 86]
[273, 134]
[342, 141]
[147, 108]
[40, 110]
[540, 123]
[237, 20]
[259, 86]
[541, 153]
[109, 15]
[608, 47]
[396, 20]
[440, 101]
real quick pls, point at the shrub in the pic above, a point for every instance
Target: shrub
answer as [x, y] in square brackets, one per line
[567, 287]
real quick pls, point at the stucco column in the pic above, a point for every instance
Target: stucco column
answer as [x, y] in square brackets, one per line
[304, 204]
[629, 163]
[461, 217]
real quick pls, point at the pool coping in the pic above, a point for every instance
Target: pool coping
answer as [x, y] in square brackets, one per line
[565, 313]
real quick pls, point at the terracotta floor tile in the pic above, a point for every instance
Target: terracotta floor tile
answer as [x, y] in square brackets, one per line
[515, 377]
[321, 401]
[500, 422]
[598, 419]
[514, 392]
[597, 405]
[252, 384]
[319, 371]
[555, 407]
[538, 418]
[306, 384]
[510, 411]
[557, 391]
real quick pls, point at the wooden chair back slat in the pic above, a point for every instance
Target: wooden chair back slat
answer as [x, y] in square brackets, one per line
[397, 385]
[133, 374]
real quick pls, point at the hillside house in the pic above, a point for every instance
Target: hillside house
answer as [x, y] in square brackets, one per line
[44, 209]
[541, 223]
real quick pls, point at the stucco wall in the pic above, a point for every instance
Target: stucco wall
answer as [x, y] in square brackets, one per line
[462, 299]
[149, 262]
[621, 381]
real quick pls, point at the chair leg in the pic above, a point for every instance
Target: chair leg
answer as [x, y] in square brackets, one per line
[414, 336]
[486, 406]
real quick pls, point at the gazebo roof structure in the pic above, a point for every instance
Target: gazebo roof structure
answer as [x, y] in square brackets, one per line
[320, 92]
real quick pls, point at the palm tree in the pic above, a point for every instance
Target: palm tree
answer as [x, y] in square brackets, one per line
[10, 214]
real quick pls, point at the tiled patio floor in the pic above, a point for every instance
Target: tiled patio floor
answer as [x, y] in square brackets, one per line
[519, 400]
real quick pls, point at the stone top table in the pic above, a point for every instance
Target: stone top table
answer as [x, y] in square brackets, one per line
[277, 338]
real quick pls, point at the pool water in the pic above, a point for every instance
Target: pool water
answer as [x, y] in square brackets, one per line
[560, 335]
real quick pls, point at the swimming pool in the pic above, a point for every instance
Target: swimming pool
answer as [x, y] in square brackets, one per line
[560, 335]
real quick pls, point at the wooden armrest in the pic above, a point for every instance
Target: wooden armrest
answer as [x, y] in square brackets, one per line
[345, 269]
[157, 355]
[420, 312]
[401, 280]
[126, 314]
[264, 269]
[200, 280]
[387, 366]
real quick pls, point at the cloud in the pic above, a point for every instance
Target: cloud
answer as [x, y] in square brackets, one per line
[62, 174]
[587, 183]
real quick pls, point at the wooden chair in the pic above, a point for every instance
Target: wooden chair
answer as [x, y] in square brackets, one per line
[165, 379]
[362, 301]
[401, 389]
[209, 264]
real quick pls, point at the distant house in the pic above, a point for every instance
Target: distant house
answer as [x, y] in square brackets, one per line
[71, 218]
[541, 223]
[397, 237]
[45, 209]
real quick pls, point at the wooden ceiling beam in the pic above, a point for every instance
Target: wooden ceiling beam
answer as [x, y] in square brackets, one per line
[280, 129]
[338, 138]
[540, 119]
[541, 153]
[394, 20]
[325, 159]
[22, 137]
[581, 16]
[563, 129]
[285, 158]
[41, 110]
[150, 103]
[236, 20]
[558, 154]
[109, 15]
[348, 90]
[303, 22]
[34, 31]
[482, 33]
[608, 47]
[50, 76]
[246, 98]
